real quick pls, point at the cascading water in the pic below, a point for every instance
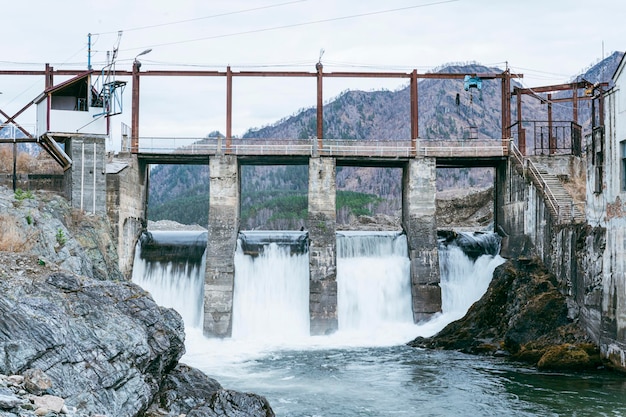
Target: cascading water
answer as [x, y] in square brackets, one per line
[466, 264]
[271, 294]
[356, 375]
[170, 266]
[373, 282]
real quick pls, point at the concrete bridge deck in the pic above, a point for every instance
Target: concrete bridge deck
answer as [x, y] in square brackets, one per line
[448, 152]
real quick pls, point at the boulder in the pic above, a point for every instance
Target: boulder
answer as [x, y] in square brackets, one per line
[184, 389]
[227, 403]
[106, 345]
[524, 315]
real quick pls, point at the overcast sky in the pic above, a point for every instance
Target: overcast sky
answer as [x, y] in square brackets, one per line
[549, 41]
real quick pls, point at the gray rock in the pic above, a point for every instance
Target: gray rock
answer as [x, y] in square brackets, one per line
[36, 381]
[227, 403]
[49, 402]
[184, 389]
[8, 400]
[106, 345]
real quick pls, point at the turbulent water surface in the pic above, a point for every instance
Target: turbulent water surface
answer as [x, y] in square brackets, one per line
[365, 369]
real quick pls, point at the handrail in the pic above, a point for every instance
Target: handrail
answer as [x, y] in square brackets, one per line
[330, 147]
[539, 181]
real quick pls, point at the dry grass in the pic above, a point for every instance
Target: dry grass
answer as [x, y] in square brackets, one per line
[12, 239]
[27, 163]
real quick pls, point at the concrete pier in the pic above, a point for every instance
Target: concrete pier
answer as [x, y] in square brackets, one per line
[418, 218]
[322, 223]
[420, 225]
[222, 242]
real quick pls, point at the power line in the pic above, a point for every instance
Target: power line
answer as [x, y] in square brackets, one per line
[313, 22]
[202, 18]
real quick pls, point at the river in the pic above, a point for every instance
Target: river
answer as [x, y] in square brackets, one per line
[365, 369]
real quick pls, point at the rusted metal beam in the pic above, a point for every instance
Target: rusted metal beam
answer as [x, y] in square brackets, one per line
[557, 87]
[229, 108]
[551, 137]
[134, 129]
[506, 105]
[414, 112]
[320, 106]
[521, 134]
[176, 73]
[11, 120]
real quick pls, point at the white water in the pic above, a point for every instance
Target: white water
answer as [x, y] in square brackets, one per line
[373, 284]
[271, 295]
[336, 376]
[177, 285]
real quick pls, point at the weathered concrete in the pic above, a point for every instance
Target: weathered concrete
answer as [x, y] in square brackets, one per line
[523, 219]
[420, 224]
[125, 203]
[222, 241]
[603, 304]
[587, 259]
[86, 179]
[322, 222]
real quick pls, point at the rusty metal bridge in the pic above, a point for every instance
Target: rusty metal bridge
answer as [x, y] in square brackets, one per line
[449, 151]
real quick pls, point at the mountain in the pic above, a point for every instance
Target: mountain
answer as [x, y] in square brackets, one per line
[275, 197]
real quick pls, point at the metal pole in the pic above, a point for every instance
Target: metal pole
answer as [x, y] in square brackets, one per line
[14, 164]
[229, 108]
[414, 113]
[521, 135]
[134, 129]
[551, 138]
[320, 106]
[89, 51]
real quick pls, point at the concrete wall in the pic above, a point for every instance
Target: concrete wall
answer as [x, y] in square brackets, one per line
[86, 179]
[222, 242]
[322, 222]
[587, 259]
[126, 188]
[420, 225]
[604, 303]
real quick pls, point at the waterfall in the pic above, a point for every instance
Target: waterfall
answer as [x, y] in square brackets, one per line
[170, 266]
[271, 294]
[271, 290]
[373, 281]
[466, 264]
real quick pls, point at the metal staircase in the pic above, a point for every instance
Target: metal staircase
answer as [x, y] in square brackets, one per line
[559, 201]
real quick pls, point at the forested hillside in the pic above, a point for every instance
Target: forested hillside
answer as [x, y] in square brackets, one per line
[275, 197]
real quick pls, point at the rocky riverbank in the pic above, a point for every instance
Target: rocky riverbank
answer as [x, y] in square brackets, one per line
[99, 345]
[522, 315]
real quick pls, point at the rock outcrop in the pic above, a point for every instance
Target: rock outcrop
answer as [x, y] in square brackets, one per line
[106, 345]
[523, 315]
[78, 340]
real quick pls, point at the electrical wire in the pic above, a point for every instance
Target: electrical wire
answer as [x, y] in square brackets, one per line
[293, 25]
[202, 18]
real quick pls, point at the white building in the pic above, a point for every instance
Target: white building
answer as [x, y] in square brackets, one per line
[604, 301]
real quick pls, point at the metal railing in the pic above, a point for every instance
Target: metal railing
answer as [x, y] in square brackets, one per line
[11, 133]
[330, 147]
[369, 148]
[544, 137]
[463, 147]
[561, 212]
